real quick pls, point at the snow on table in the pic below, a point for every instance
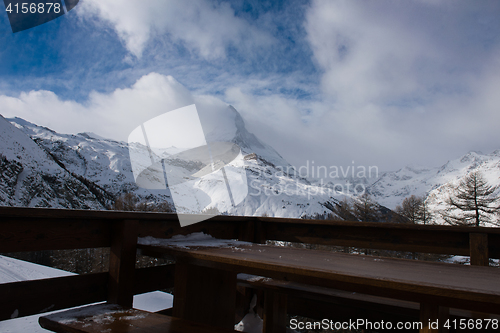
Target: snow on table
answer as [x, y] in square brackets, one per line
[197, 239]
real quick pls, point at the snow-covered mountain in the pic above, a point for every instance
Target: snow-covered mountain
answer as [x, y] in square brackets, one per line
[30, 176]
[42, 168]
[392, 187]
[91, 171]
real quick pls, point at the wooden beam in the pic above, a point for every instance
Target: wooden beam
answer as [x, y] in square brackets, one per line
[479, 249]
[122, 263]
[33, 229]
[113, 318]
[35, 234]
[37, 296]
[26, 298]
[433, 318]
[384, 236]
[250, 230]
[275, 312]
[205, 295]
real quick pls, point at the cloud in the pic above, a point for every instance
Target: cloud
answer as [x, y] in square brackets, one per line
[368, 55]
[299, 130]
[406, 81]
[399, 82]
[112, 115]
[201, 26]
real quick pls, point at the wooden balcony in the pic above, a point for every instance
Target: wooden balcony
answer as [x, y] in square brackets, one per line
[33, 229]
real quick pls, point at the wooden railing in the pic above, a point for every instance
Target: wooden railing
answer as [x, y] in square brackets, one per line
[35, 229]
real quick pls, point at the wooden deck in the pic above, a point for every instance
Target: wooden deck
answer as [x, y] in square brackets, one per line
[34, 229]
[467, 287]
[116, 319]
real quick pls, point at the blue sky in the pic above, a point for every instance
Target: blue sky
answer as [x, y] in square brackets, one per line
[384, 83]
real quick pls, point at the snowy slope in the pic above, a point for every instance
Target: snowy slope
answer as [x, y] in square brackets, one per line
[102, 161]
[107, 164]
[392, 187]
[30, 177]
[12, 270]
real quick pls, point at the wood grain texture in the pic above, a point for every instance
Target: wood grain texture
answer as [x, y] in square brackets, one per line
[29, 234]
[479, 254]
[205, 295]
[339, 305]
[116, 319]
[275, 312]
[31, 297]
[433, 317]
[31, 229]
[38, 296]
[122, 263]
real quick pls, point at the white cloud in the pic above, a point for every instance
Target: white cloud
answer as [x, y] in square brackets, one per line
[112, 115]
[203, 27]
[406, 82]
[328, 138]
[367, 55]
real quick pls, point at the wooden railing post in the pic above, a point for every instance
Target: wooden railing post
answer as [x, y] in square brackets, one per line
[252, 231]
[122, 262]
[204, 295]
[433, 318]
[479, 249]
[275, 312]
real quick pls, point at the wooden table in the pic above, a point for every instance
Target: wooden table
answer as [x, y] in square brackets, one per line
[206, 278]
[112, 318]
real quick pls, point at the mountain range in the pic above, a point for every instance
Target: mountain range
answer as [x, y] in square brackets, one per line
[435, 183]
[42, 168]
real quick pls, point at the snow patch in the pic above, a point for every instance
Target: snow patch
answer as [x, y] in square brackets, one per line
[192, 240]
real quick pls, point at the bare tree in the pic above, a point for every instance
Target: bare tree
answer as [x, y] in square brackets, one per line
[365, 210]
[424, 214]
[414, 209]
[131, 202]
[409, 208]
[127, 202]
[343, 211]
[474, 199]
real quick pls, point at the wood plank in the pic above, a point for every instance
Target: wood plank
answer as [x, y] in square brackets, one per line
[433, 317]
[115, 319]
[479, 249]
[467, 287]
[332, 300]
[250, 230]
[388, 236]
[31, 229]
[275, 312]
[205, 295]
[338, 305]
[372, 237]
[38, 296]
[381, 225]
[26, 298]
[122, 263]
[27, 234]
